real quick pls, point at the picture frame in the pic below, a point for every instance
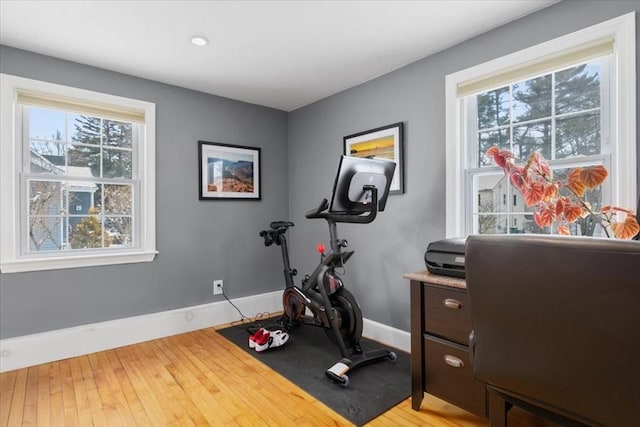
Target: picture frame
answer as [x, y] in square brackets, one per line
[384, 143]
[228, 172]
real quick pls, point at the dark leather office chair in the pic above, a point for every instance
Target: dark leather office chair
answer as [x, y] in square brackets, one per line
[556, 326]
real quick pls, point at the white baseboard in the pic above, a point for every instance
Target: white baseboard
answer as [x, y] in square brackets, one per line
[30, 350]
[387, 335]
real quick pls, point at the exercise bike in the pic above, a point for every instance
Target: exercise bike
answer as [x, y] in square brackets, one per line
[332, 307]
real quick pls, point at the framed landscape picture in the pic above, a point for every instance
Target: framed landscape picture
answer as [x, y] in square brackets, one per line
[228, 171]
[384, 143]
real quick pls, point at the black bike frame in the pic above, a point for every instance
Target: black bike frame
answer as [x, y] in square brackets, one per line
[329, 262]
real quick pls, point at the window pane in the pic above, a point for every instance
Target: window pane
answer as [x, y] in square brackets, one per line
[487, 139]
[532, 99]
[488, 202]
[46, 157]
[86, 129]
[87, 232]
[578, 88]
[532, 137]
[84, 161]
[46, 124]
[46, 198]
[578, 135]
[46, 233]
[489, 190]
[117, 199]
[117, 134]
[47, 206]
[82, 197]
[493, 108]
[46, 140]
[116, 164]
[120, 231]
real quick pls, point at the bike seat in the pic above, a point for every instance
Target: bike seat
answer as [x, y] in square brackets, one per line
[277, 225]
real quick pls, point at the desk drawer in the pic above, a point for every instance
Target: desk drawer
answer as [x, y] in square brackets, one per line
[447, 313]
[449, 375]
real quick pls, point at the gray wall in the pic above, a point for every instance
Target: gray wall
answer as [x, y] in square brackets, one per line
[395, 243]
[197, 241]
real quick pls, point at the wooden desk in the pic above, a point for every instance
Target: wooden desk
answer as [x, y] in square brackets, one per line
[440, 327]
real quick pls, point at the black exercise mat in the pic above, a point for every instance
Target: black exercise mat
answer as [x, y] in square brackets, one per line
[374, 388]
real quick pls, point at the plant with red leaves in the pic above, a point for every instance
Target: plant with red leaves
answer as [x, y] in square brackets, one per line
[535, 182]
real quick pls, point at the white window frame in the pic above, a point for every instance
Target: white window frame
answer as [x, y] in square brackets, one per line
[622, 171]
[12, 259]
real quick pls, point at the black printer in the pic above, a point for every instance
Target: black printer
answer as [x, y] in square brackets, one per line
[446, 257]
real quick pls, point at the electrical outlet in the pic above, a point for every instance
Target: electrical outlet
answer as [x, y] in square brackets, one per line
[217, 287]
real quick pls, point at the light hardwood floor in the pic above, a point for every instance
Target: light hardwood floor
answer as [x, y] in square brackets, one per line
[193, 379]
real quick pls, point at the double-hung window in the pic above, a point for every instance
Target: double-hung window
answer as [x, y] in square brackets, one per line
[572, 99]
[77, 177]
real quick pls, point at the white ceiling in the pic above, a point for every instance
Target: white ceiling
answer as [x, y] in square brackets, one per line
[281, 54]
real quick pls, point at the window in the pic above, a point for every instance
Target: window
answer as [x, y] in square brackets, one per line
[78, 172]
[559, 114]
[571, 98]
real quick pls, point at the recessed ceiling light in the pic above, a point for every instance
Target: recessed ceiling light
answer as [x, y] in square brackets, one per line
[199, 41]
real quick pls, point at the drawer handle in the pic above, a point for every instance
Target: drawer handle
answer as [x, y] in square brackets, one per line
[452, 303]
[453, 361]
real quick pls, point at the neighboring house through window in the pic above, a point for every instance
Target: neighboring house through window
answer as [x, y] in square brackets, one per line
[77, 177]
[572, 99]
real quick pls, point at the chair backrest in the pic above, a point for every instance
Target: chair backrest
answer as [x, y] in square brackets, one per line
[556, 323]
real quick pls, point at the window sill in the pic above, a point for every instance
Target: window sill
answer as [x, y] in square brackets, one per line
[75, 261]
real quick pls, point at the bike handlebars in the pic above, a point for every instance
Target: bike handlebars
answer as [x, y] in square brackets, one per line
[366, 216]
[317, 212]
[371, 212]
